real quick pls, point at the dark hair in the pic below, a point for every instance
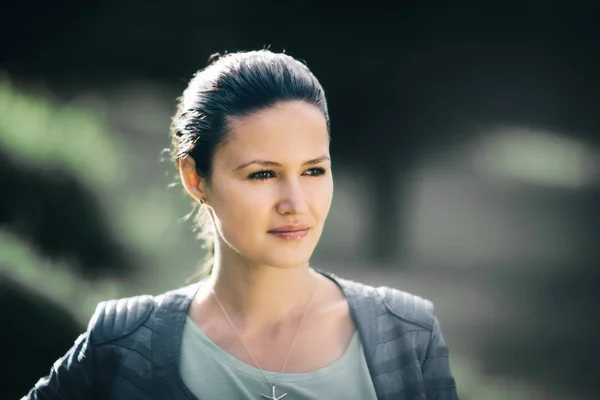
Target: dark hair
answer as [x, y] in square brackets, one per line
[234, 85]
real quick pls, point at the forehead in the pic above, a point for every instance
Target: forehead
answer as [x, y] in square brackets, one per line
[286, 131]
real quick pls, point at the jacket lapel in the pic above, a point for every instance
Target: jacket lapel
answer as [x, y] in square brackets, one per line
[168, 324]
[366, 308]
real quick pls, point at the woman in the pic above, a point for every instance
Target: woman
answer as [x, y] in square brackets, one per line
[251, 142]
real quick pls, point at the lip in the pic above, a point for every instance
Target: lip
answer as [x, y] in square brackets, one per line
[289, 228]
[290, 231]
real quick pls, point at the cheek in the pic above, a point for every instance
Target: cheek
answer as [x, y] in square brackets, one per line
[239, 212]
[321, 196]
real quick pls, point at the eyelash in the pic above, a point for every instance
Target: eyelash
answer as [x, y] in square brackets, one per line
[259, 175]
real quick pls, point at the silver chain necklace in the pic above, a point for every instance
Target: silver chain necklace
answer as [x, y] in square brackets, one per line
[273, 384]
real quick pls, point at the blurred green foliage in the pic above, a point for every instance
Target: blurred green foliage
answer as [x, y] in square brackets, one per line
[35, 129]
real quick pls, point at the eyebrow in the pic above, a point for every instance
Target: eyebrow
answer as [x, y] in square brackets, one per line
[276, 164]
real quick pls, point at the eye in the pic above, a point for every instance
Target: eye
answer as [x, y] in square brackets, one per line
[262, 175]
[315, 171]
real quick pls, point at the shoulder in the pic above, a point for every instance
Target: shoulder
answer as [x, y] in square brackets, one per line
[408, 307]
[116, 318]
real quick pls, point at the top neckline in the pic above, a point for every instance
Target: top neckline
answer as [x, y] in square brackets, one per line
[222, 356]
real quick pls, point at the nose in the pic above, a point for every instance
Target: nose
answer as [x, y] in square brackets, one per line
[292, 200]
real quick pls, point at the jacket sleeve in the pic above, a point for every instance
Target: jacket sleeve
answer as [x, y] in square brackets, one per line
[438, 379]
[71, 376]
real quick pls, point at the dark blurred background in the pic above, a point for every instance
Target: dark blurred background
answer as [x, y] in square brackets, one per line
[466, 150]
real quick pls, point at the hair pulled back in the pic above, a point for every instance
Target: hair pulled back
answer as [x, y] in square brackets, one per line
[234, 85]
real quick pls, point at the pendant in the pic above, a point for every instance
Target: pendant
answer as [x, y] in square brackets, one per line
[274, 396]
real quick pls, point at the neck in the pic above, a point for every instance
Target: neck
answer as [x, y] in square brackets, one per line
[260, 295]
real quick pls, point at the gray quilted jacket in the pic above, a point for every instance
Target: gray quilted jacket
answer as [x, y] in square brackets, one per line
[131, 348]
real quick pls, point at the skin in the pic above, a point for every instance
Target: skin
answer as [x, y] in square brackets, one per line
[264, 281]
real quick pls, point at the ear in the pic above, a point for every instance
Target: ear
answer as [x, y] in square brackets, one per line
[193, 184]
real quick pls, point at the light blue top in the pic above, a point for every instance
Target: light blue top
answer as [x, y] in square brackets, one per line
[209, 372]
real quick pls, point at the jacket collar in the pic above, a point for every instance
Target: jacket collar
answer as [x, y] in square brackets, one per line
[167, 325]
[365, 306]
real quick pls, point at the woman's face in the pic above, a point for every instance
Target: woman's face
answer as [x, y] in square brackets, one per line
[271, 186]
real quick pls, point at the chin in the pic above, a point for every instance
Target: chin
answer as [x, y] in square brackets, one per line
[287, 261]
